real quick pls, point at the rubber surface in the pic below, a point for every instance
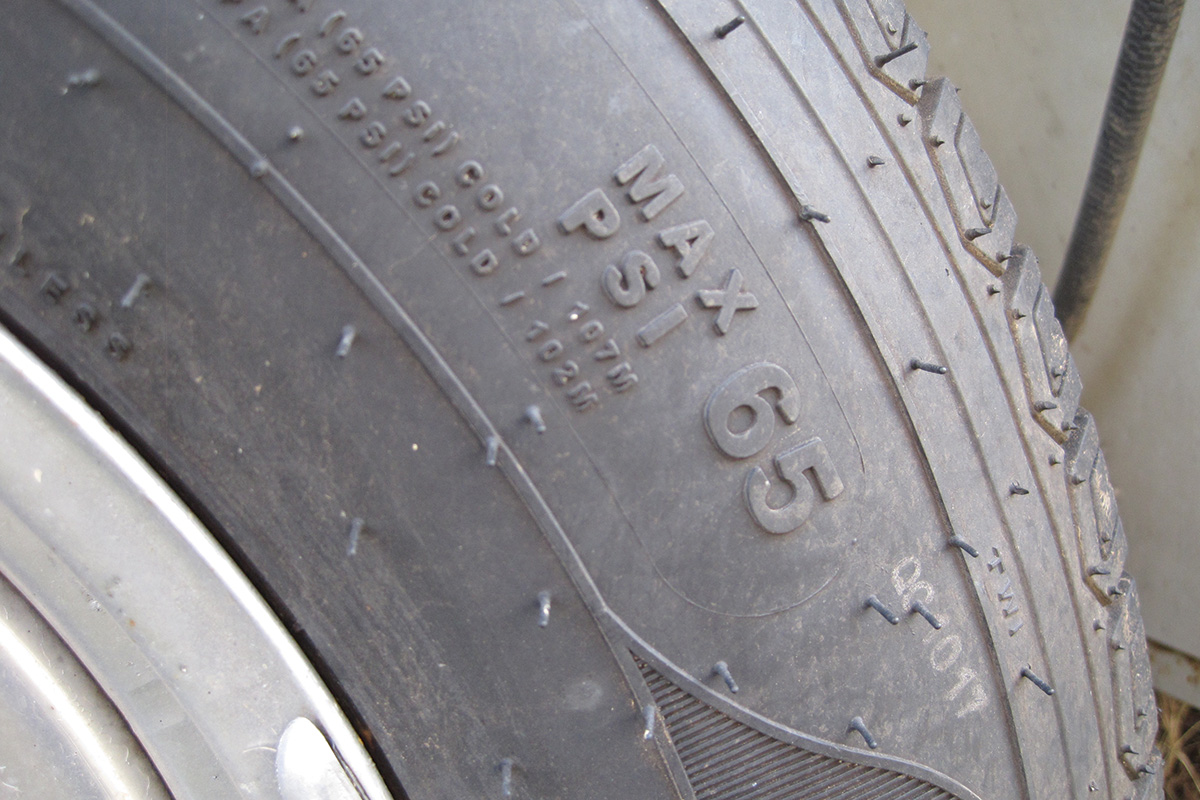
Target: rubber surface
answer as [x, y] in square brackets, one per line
[615, 400]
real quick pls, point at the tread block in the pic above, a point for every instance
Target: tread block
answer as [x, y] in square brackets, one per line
[1069, 391]
[1054, 343]
[1082, 448]
[893, 46]
[1024, 279]
[1065, 382]
[1150, 786]
[982, 212]
[1133, 690]
[1102, 548]
[1102, 539]
[1104, 508]
[981, 175]
[1052, 381]
[998, 245]
[1098, 527]
[890, 15]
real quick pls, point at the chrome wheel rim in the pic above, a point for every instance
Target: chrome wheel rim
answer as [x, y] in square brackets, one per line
[133, 642]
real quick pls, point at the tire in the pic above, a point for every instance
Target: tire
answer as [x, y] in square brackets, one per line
[614, 400]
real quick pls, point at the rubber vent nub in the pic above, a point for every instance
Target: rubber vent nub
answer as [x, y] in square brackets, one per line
[727, 760]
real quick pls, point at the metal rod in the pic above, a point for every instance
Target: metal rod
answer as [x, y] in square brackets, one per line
[1149, 34]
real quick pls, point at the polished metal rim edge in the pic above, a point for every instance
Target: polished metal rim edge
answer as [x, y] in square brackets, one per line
[59, 583]
[62, 735]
